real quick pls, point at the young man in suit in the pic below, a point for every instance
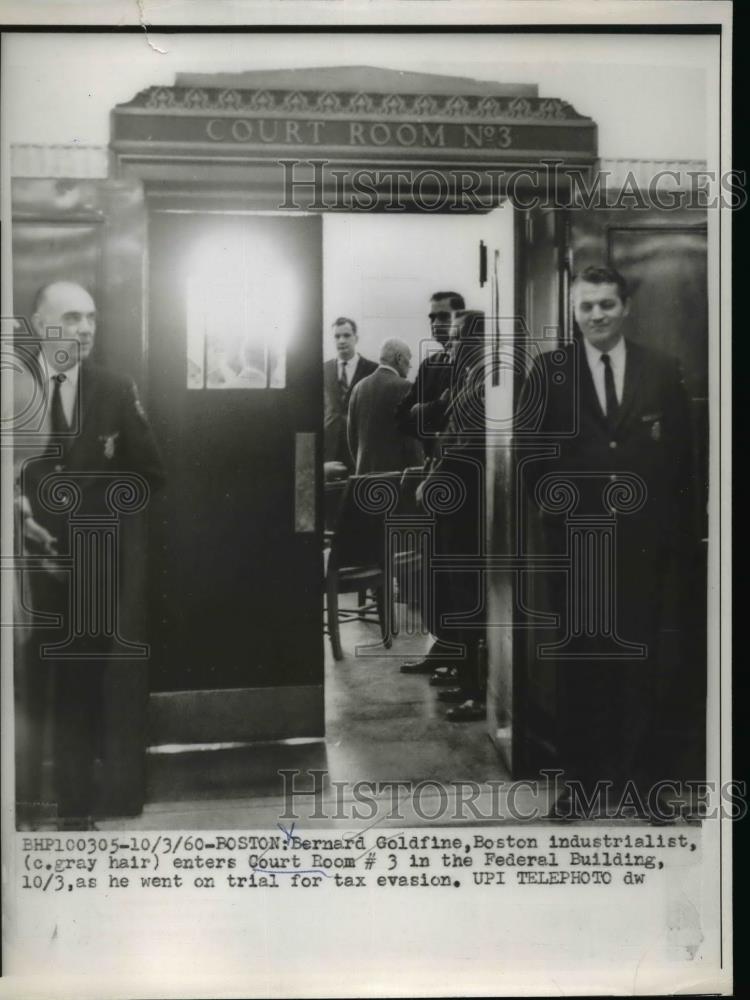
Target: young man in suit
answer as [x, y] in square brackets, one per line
[93, 429]
[340, 375]
[422, 414]
[374, 440]
[617, 413]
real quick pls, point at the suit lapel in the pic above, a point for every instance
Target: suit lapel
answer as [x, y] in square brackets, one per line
[357, 374]
[633, 376]
[85, 396]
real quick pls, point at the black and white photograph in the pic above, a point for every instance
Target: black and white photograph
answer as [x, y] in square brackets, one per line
[364, 441]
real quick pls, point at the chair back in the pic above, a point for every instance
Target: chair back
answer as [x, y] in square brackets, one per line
[359, 534]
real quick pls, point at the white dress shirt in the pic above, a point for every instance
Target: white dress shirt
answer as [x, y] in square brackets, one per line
[350, 366]
[596, 365]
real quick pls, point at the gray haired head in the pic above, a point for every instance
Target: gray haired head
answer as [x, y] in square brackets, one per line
[397, 354]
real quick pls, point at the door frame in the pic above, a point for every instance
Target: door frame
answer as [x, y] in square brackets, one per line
[188, 717]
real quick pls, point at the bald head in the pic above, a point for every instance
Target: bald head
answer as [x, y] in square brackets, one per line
[64, 319]
[397, 354]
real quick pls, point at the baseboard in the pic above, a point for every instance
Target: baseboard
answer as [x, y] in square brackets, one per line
[236, 715]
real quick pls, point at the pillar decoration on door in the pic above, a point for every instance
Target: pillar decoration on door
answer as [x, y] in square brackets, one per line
[590, 615]
[93, 566]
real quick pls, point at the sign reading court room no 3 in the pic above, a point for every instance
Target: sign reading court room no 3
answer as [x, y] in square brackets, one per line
[353, 108]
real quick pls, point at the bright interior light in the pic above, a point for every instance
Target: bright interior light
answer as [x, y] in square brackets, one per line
[242, 310]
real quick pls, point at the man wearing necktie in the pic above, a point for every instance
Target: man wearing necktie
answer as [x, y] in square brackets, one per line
[617, 414]
[93, 428]
[340, 375]
[422, 414]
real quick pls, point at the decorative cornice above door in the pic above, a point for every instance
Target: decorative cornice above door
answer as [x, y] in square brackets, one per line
[353, 116]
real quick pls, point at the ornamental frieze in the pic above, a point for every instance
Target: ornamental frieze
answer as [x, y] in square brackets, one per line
[330, 104]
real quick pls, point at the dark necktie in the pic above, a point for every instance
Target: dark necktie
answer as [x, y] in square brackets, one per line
[343, 379]
[58, 425]
[610, 396]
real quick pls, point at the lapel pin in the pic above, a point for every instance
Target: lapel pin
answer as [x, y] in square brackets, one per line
[109, 444]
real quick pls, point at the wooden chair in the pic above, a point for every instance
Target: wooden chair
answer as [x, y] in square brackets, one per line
[355, 560]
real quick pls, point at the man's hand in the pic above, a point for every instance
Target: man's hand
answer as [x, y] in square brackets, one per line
[39, 536]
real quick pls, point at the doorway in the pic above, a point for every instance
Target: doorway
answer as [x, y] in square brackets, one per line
[237, 305]
[235, 384]
[380, 270]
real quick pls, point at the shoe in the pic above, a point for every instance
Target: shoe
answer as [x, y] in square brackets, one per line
[423, 666]
[444, 677]
[453, 696]
[468, 711]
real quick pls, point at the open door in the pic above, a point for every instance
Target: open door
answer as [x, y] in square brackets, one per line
[235, 398]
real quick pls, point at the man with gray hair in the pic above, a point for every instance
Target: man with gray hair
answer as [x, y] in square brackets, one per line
[375, 441]
[95, 434]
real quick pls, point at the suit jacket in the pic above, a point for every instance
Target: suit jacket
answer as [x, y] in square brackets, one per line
[336, 408]
[375, 442]
[110, 435]
[651, 438]
[433, 377]
[457, 476]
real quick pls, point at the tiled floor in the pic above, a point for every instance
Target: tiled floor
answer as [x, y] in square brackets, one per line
[382, 726]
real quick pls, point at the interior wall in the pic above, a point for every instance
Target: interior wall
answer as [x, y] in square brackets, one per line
[380, 270]
[608, 77]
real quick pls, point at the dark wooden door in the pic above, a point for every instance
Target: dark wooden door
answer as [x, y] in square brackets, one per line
[665, 264]
[235, 392]
[666, 269]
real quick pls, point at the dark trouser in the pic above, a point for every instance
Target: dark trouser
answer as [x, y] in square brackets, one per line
[605, 720]
[66, 695]
[607, 708]
[77, 714]
[458, 594]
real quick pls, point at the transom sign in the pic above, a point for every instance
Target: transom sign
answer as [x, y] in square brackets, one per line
[357, 111]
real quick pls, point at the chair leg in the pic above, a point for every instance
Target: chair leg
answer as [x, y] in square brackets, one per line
[361, 602]
[332, 613]
[384, 625]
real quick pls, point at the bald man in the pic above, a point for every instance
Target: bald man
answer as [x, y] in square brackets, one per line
[375, 442]
[92, 423]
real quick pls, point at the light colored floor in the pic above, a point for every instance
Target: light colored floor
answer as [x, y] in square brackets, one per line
[381, 726]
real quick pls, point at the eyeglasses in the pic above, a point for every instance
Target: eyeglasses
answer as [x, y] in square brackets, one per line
[441, 317]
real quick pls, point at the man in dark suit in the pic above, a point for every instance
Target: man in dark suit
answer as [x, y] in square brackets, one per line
[422, 414]
[340, 375]
[457, 477]
[617, 414]
[94, 429]
[375, 442]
